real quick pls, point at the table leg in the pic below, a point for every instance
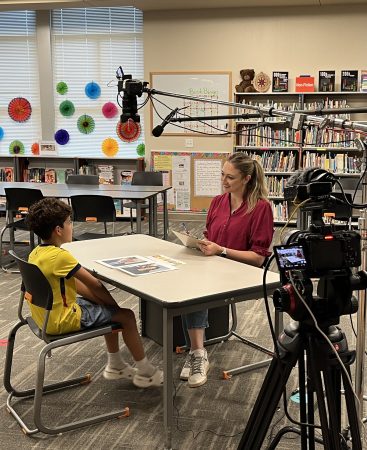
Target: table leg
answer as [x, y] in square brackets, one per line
[138, 218]
[168, 376]
[155, 214]
[151, 221]
[165, 215]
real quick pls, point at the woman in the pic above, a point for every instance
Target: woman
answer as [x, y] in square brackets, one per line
[239, 226]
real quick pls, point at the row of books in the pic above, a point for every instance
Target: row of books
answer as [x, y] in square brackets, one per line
[268, 137]
[276, 186]
[6, 174]
[330, 137]
[336, 163]
[280, 211]
[42, 175]
[275, 161]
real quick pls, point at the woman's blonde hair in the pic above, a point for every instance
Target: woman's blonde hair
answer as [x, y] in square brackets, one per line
[256, 187]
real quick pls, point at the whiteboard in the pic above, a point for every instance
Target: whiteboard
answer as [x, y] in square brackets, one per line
[207, 85]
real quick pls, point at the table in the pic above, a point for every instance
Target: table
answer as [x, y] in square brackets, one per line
[202, 282]
[115, 191]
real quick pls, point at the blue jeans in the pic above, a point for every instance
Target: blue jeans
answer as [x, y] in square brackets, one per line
[198, 319]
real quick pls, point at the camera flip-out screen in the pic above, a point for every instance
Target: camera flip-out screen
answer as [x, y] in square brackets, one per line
[290, 257]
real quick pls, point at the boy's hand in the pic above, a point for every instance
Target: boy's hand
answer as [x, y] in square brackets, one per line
[210, 248]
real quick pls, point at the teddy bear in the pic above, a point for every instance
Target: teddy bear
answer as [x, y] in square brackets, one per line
[246, 85]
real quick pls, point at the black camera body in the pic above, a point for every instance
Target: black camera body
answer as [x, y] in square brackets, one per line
[131, 90]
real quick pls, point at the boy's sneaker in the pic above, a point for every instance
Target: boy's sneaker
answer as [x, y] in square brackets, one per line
[199, 368]
[185, 372]
[127, 372]
[142, 381]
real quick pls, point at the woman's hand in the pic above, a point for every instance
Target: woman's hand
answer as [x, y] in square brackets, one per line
[210, 248]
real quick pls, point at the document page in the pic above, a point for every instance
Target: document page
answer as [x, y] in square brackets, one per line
[187, 239]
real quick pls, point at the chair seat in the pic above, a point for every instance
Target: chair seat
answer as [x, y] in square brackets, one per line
[18, 224]
[132, 205]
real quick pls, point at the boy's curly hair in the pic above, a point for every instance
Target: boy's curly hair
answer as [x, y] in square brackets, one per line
[45, 215]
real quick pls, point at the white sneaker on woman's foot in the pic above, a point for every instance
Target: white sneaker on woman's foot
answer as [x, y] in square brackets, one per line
[185, 372]
[127, 372]
[144, 381]
[199, 368]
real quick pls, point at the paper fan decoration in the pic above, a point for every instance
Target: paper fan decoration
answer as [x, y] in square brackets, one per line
[262, 82]
[86, 124]
[35, 149]
[62, 88]
[110, 147]
[67, 108]
[1, 133]
[16, 148]
[19, 109]
[62, 137]
[140, 149]
[109, 110]
[92, 90]
[128, 131]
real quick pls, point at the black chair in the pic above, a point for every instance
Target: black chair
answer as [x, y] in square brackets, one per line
[37, 287]
[18, 201]
[142, 179]
[93, 209]
[82, 179]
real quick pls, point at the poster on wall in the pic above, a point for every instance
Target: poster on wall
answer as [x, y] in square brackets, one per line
[204, 85]
[207, 177]
[181, 182]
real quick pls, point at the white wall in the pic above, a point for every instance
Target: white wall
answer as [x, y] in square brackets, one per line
[301, 40]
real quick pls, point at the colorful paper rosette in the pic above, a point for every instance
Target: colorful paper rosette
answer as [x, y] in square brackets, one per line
[128, 131]
[62, 137]
[62, 88]
[67, 108]
[92, 90]
[140, 149]
[1, 133]
[16, 148]
[19, 109]
[110, 147]
[86, 124]
[35, 148]
[109, 110]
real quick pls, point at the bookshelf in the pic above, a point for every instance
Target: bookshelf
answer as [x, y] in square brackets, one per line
[282, 151]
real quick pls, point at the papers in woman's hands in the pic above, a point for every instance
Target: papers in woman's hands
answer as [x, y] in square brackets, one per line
[187, 239]
[141, 265]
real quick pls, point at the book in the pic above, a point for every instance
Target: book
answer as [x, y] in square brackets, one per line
[280, 81]
[7, 174]
[305, 83]
[188, 240]
[126, 176]
[326, 80]
[364, 80]
[137, 265]
[105, 174]
[60, 175]
[349, 80]
[50, 175]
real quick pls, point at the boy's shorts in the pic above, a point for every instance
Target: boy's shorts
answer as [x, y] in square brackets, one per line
[94, 315]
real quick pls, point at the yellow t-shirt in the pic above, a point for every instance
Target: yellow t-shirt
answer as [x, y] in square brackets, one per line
[58, 266]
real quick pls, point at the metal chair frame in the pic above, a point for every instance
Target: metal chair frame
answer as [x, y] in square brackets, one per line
[37, 285]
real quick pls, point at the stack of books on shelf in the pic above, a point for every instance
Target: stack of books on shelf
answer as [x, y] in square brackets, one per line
[329, 137]
[269, 104]
[267, 137]
[276, 186]
[41, 175]
[328, 103]
[334, 162]
[280, 211]
[6, 174]
[364, 80]
[278, 161]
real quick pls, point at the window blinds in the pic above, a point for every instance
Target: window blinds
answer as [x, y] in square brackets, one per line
[89, 44]
[18, 78]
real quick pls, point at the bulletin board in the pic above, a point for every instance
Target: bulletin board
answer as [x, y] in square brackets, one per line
[195, 178]
[206, 85]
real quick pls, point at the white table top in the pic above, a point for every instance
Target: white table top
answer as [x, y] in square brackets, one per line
[200, 278]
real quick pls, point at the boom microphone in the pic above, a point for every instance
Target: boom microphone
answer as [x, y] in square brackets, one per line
[158, 130]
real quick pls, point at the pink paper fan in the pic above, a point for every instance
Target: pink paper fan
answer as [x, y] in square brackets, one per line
[109, 110]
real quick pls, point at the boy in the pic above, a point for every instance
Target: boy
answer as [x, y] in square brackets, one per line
[50, 219]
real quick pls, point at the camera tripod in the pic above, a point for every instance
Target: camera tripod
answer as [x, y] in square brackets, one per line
[324, 376]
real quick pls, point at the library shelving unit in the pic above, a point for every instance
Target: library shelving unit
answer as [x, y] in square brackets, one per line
[281, 151]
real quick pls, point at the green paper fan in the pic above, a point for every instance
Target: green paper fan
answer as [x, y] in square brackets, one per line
[86, 124]
[16, 148]
[140, 149]
[67, 108]
[62, 88]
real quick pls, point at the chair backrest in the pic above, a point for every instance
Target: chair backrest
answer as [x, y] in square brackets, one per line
[21, 198]
[93, 208]
[82, 179]
[147, 179]
[34, 283]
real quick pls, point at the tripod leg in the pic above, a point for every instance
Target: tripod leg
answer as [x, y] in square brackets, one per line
[353, 417]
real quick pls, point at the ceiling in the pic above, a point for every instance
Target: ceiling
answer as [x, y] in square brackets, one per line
[151, 5]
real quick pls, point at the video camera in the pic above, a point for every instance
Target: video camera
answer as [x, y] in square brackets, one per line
[131, 90]
[321, 257]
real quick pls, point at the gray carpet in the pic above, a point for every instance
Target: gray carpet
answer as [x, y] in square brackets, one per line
[210, 417]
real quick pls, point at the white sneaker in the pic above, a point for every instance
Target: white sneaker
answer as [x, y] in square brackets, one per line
[185, 372]
[126, 372]
[199, 368]
[143, 381]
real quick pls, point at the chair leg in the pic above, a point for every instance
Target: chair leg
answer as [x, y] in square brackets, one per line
[131, 221]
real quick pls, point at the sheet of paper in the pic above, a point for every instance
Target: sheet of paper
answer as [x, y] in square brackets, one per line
[207, 177]
[187, 239]
[141, 265]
